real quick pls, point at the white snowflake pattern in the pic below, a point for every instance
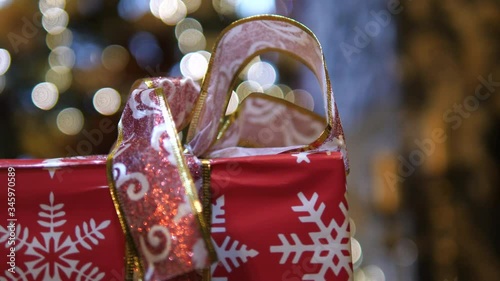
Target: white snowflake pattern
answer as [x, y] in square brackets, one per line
[302, 157]
[332, 239]
[228, 252]
[55, 245]
[52, 165]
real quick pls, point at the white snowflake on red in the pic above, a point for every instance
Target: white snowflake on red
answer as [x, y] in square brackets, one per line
[57, 245]
[302, 157]
[228, 252]
[336, 246]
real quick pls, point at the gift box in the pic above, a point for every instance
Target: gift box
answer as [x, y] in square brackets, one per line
[257, 195]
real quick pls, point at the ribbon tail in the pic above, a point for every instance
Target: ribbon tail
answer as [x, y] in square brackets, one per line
[152, 188]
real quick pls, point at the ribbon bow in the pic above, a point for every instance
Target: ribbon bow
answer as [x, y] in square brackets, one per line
[153, 180]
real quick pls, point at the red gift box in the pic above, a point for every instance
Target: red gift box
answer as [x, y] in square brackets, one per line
[59, 222]
[296, 228]
[275, 211]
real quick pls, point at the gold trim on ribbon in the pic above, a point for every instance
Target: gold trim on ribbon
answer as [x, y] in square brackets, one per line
[185, 175]
[132, 261]
[149, 83]
[204, 90]
[207, 205]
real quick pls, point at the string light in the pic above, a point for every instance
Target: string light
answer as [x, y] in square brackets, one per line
[248, 87]
[263, 73]
[191, 40]
[70, 121]
[246, 8]
[301, 98]
[5, 4]
[233, 103]
[107, 101]
[5, 61]
[192, 5]
[55, 20]
[45, 5]
[45, 95]
[356, 252]
[115, 58]
[172, 11]
[62, 56]
[374, 273]
[185, 24]
[274, 91]
[224, 7]
[65, 38]
[194, 65]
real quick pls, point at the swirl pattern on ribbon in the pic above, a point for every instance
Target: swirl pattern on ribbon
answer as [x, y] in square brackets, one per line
[154, 190]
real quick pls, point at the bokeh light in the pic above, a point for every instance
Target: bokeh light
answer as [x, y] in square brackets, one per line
[132, 10]
[60, 76]
[301, 98]
[356, 252]
[55, 20]
[115, 57]
[194, 65]
[185, 24]
[274, 91]
[168, 8]
[243, 73]
[172, 11]
[107, 101]
[191, 40]
[88, 54]
[225, 7]
[248, 87]
[65, 38]
[290, 96]
[206, 54]
[406, 252]
[374, 273]
[5, 3]
[45, 5]
[5, 61]
[70, 121]
[263, 73]
[62, 56]
[246, 8]
[285, 89]
[192, 5]
[145, 49]
[45, 95]
[359, 275]
[352, 227]
[154, 7]
[233, 103]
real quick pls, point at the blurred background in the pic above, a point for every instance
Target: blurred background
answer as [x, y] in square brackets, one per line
[417, 84]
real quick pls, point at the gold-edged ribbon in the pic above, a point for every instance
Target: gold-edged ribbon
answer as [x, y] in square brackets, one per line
[151, 186]
[150, 181]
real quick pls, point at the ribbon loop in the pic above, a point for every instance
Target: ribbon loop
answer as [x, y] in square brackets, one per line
[153, 190]
[237, 45]
[150, 180]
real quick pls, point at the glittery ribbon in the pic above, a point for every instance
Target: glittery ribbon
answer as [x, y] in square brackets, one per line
[152, 187]
[152, 180]
[237, 45]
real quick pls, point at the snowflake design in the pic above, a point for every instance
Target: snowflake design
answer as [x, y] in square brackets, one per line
[336, 246]
[228, 251]
[302, 157]
[53, 244]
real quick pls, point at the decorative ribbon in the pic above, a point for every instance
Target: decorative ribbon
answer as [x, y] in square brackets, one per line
[152, 181]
